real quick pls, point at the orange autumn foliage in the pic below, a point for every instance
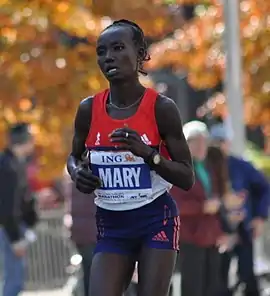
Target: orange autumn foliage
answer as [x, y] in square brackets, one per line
[42, 80]
[198, 49]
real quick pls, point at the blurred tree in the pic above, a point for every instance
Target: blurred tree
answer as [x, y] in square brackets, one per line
[48, 64]
[198, 48]
[256, 114]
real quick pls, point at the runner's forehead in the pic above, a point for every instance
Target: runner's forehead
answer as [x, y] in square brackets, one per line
[115, 34]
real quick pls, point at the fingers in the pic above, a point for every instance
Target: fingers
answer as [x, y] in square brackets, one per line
[84, 189]
[85, 164]
[122, 144]
[123, 132]
[126, 129]
[87, 188]
[86, 178]
[124, 135]
[85, 174]
[85, 156]
[126, 142]
[94, 183]
[119, 139]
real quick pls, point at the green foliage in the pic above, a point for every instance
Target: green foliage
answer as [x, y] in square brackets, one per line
[258, 158]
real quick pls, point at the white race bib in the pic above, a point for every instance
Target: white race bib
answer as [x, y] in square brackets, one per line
[125, 177]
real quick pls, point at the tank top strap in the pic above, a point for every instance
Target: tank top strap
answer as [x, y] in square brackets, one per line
[149, 99]
[148, 103]
[98, 106]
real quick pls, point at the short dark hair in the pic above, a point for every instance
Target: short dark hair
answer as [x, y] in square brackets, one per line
[19, 133]
[139, 40]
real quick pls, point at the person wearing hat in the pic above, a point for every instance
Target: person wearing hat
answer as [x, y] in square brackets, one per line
[201, 233]
[243, 177]
[17, 211]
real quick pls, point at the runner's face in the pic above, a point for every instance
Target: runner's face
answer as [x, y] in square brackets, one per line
[116, 54]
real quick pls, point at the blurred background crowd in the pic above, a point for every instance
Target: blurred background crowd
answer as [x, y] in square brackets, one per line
[211, 57]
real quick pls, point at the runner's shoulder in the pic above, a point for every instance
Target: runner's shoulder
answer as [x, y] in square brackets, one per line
[84, 112]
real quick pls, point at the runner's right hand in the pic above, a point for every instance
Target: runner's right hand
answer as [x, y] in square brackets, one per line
[85, 180]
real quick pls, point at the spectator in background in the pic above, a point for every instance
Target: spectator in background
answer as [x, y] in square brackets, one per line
[17, 211]
[244, 177]
[201, 232]
[81, 220]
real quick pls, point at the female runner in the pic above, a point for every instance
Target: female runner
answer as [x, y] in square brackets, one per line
[125, 129]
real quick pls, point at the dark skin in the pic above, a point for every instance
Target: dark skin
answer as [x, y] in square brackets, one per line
[116, 49]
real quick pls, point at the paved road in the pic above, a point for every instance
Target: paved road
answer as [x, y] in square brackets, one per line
[262, 263]
[48, 293]
[66, 291]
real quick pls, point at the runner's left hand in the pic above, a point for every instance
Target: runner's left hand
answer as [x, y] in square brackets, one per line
[128, 139]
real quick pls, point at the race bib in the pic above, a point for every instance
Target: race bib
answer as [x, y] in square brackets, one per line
[124, 176]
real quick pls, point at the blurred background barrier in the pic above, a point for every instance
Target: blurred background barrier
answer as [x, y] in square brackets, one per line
[266, 240]
[49, 257]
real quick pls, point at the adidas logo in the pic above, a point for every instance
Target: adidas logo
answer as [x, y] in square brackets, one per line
[145, 139]
[160, 237]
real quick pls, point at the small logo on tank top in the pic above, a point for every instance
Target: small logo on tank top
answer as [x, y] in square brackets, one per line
[145, 139]
[97, 143]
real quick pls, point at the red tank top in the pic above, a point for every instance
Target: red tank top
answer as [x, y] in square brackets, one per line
[143, 121]
[127, 181]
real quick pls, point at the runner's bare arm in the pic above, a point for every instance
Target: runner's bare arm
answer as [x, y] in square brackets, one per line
[179, 171]
[81, 129]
